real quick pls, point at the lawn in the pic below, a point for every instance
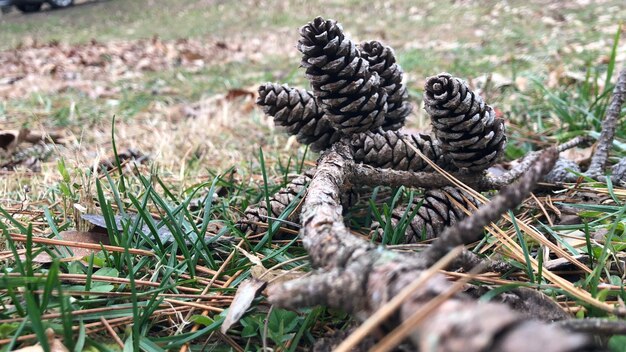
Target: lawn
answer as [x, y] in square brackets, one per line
[152, 108]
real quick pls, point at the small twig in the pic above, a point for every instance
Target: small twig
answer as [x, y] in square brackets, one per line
[367, 175]
[371, 176]
[112, 332]
[595, 326]
[266, 328]
[93, 246]
[609, 124]
[572, 143]
[523, 164]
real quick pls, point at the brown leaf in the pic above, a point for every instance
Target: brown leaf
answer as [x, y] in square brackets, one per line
[246, 293]
[58, 137]
[191, 56]
[240, 92]
[9, 139]
[574, 238]
[55, 344]
[78, 253]
[578, 155]
[258, 271]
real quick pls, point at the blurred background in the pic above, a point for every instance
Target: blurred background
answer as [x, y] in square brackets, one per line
[180, 76]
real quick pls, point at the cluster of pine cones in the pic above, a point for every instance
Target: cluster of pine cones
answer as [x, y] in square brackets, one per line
[358, 96]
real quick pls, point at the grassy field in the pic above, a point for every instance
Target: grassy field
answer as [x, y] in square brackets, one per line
[175, 81]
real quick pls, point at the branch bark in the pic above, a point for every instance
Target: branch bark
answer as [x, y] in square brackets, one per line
[599, 158]
[359, 277]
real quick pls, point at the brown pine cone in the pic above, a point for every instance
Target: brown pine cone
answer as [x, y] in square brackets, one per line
[389, 150]
[383, 61]
[467, 128]
[297, 110]
[257, 213]
[435, 212]
[348, 92]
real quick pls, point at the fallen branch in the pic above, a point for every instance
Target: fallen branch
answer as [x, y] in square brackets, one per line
[359, 277]
[609, 124]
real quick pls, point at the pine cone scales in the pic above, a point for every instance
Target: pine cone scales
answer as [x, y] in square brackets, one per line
[348, 92]
[257, 213]
[383, 61]
[297, 110]
[466, 126]
[436, 212]
[389, 150]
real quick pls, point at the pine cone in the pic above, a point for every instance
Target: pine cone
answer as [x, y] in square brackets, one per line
[467, 128]
[256, 213]
[348, 92]
[383, 61]
[436, 212]
[389, 150]
[297, 110]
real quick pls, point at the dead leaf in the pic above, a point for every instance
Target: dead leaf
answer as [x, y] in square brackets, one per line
[240, 92]
[258, 271]
[163, 232]
[492, 81]
[521, 83]
[574, 238]
[9, 139]
[246, 293]
[77, 253]
[58, 137]
[191, 56]
[578, 155]
[563, 264]
[55, 344]
[570, 219]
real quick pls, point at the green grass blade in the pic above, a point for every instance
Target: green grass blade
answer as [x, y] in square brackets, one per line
[522, 241]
